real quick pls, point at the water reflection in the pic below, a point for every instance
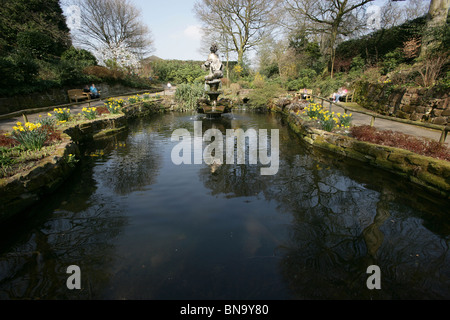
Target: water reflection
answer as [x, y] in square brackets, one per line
[74, 227]
[140, 227]
[342, 214]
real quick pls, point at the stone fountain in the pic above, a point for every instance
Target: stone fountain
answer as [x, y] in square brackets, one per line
[213, 107]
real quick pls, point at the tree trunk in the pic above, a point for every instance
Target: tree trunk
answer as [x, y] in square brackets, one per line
[437, 17]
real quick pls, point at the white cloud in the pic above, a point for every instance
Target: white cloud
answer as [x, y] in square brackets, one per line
[194, 32]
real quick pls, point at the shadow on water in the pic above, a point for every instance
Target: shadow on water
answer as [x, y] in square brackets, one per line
[140, 227]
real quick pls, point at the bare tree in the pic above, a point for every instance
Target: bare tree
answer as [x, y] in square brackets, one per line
[332, 18]
[112, 24]
[245, 23]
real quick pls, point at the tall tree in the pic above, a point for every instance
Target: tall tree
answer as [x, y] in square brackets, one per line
[436, 19]
[332, 18]
[33, 26]
[245, 23]
[112, 24]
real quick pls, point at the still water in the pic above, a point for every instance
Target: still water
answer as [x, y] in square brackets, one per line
[140, 227]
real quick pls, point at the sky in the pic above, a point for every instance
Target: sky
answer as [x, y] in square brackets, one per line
[175, 29]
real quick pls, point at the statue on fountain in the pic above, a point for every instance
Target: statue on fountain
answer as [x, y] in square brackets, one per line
[212, 106]
[215, 69]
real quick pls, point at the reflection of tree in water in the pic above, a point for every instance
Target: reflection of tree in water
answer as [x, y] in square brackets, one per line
[342, 220]
[137, 162]
[340, 229]
[73, 227]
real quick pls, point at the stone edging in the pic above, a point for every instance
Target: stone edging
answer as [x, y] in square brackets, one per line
[428, 172]
[24, 189]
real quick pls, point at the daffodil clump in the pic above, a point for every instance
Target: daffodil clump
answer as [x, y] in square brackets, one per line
[345, 120]
[89, 113]
[61, 114]
[114, 105]
[328, 120]
[32, 136]
[313, 111]
[134, 99]
[146, 96]
[47, 121]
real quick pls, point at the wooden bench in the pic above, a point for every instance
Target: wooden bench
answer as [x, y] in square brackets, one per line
[78, 94]
[305, 93]
[348, 97]
[344, 98]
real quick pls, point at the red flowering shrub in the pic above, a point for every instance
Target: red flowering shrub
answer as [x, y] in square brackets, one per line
[102, 110]
[6, 141]
[390, 138]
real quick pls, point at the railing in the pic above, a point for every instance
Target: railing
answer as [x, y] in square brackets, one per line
[68, 105]
[443, 129]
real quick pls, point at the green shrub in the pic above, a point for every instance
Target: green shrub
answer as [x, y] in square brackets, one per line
[80, 57]
[36, 44]
[392, 60]
[261, 97]
[358, 63]
[189, 94]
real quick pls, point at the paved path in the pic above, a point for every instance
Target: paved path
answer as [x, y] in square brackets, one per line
[383, 124]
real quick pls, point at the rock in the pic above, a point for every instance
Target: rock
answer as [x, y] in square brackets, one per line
[437, 112]
[439, 120]
[417, 116]
[446, 112]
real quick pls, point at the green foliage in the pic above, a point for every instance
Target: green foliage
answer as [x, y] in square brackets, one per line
[358, 63]
[270, 70]
[188, 94]
[328, 86]
[260, 97]
[79, 57]
[377, 44]
[17, 69]
[392, 60]
[305, 79]
[177, 71]
[28, 24]
[36, 44]
[444, 82]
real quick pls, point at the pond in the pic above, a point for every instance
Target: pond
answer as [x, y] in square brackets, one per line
[139, 226]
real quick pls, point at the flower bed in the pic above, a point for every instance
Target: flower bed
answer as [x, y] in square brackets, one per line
[425, 147]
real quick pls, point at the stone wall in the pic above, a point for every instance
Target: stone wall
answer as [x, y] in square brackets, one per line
[54, 97]
[23, 190]
[417, 104]
[427, 172]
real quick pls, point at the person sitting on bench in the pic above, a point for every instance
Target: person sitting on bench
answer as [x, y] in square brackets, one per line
[95, 94]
